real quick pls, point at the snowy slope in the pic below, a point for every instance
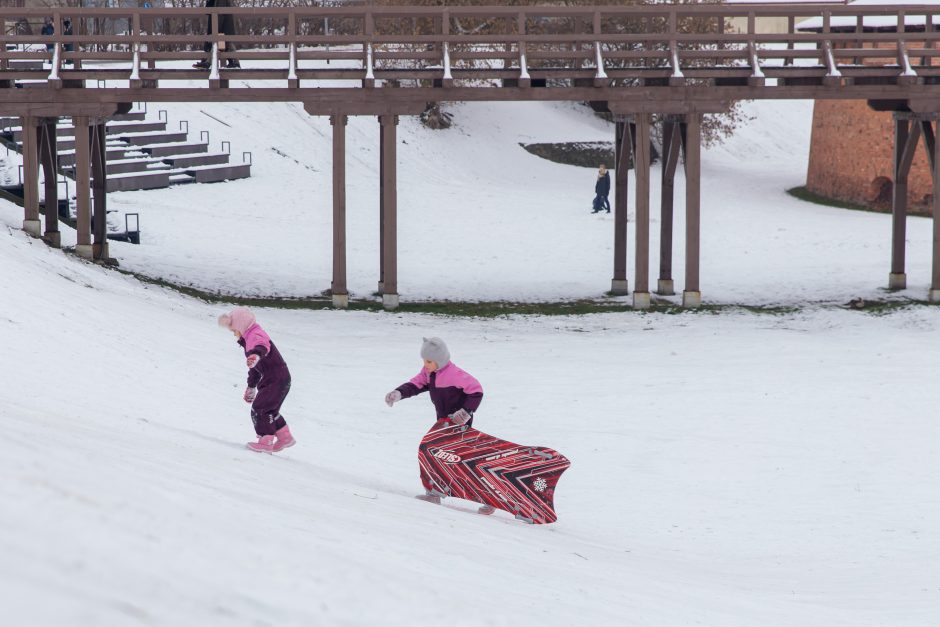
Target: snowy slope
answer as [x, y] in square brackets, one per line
[482, 219]
[730, 470]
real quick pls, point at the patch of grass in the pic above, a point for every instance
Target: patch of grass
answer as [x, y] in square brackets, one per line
[497, 309]
[470, 309]
[884, 307]
[801, 193]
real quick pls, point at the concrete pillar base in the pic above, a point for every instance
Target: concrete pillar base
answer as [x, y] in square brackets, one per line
[641, 300]
[897, 281]
[665, 287]
[390, 301]
[933, 296]
[619, 287]
[53, 238]
[84, 251]
[341, 301]
[33, 227]
[693, 300]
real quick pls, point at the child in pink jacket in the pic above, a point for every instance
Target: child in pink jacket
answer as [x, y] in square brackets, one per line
[455, 394]
[268, 381]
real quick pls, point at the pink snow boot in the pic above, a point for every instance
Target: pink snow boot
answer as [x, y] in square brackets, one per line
[284, 439]
[265, 444]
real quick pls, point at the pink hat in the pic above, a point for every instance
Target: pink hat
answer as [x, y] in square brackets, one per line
[239, 319]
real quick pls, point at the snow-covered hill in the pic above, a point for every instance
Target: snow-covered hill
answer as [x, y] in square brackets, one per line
[728, 470]
[480, 218]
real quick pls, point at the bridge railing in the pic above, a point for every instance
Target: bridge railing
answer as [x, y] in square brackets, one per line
[475, 46]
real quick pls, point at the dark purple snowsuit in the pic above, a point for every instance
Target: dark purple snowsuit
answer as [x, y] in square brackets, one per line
[451, 389]
[272, 378]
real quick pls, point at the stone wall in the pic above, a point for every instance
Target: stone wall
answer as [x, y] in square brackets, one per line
[852, 155]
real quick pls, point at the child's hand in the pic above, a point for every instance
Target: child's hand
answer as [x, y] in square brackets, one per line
[460, 417]
[250, 394]
[252, 360]
[392, 397]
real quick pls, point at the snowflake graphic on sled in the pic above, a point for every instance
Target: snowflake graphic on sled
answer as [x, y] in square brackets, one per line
[540, 485]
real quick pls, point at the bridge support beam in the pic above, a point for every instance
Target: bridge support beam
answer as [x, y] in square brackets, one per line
[83, 246]
[641, 168]
[48, 159]
[31, 222]
[338, 288]
[692, 295]
[622, 147]
[389, 210]
[671, 148]
[904, 144]
[100, 190]
[933, 148]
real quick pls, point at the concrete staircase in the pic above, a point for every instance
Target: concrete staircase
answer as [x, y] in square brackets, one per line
[141, 154]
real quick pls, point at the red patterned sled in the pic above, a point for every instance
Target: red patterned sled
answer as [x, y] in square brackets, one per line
[468, 464]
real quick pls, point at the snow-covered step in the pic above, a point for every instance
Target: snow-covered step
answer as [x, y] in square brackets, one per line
[67, 157]
[138, 180]
[150, 138]
[175, 148]
[219, 173]
[112, 128]
[136, 116]
[127, 166]
[187, 161]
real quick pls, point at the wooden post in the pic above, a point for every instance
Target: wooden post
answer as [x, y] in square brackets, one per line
[619, 285]
[30, 139]
[897, 279]
[82, 187]
[338, 287]
[390, 206]
[48, 158]
[671, 149]
[641, 168]
[100, 190]
[692, 296]
[381, 289]
[934, 295]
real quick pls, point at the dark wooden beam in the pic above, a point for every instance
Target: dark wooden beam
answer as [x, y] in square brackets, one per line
[619, 286]
[670, 160]
[389, 124]
[31, 222]
[338, 288]
[897, 279]
[48, 159]
[692, 295]
[641, 169]
[99, 186]
[83, 246]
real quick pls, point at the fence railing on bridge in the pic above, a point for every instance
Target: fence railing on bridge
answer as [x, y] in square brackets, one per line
[626, 46]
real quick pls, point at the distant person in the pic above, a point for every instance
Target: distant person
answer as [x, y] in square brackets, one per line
[67, 30]
[226, 27]
[455, 395]
[602, 190]
[268, 381]
[48, 29]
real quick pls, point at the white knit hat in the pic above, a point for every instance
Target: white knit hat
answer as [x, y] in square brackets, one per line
[434, 349]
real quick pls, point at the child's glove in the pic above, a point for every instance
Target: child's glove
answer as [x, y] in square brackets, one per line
[250, 394]
[392, 397]
[252, 360]
[460, 417]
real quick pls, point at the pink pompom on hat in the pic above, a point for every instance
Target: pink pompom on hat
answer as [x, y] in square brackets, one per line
[239, 319]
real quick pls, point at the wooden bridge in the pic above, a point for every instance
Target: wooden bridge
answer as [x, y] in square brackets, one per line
[678, 61]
